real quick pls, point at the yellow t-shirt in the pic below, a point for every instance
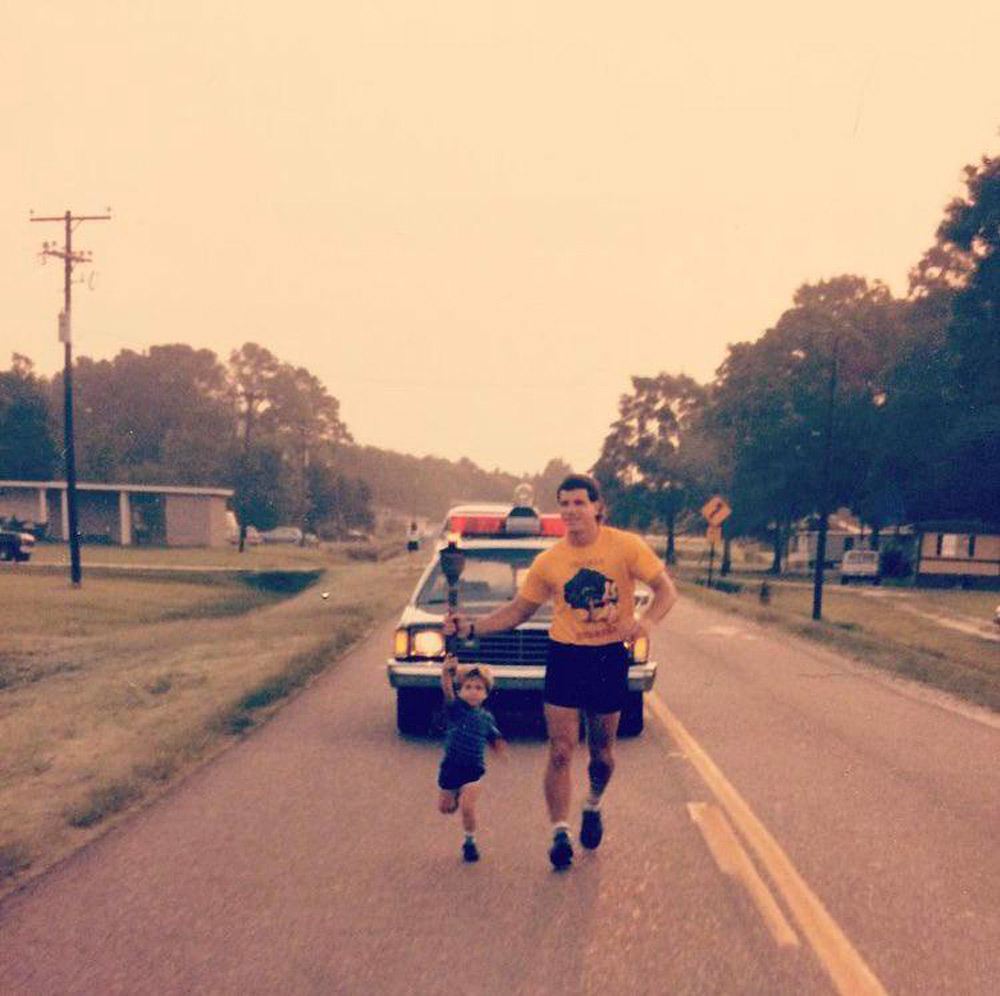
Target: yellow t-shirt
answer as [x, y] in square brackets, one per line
[592, 587]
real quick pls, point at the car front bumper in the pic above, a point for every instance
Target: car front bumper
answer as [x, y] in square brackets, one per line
[506, 677]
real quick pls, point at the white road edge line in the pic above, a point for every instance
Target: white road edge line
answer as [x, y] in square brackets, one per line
[733, 861]
[848, 971]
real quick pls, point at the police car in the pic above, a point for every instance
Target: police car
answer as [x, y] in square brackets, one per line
[498, 544]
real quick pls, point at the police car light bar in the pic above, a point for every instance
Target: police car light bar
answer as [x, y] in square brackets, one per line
[520, 524]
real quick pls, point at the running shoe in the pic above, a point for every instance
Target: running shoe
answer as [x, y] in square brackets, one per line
[592, 829]
[469, 851]
[561, 852]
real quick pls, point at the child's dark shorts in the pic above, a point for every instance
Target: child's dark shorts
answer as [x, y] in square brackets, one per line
[452, 775]
[594, 679]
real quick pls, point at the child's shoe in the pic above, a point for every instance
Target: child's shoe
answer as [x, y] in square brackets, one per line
[469, 850]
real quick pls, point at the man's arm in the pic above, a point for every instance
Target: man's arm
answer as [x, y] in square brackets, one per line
[506, 617]
[664, 598]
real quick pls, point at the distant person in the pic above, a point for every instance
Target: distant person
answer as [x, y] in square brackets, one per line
[589, 575]
[412, 537]
[470, 729]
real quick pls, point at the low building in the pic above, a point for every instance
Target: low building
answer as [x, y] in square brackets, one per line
[122, 514]
[953, 552]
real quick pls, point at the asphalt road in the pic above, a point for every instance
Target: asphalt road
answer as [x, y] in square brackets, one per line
[789, 823]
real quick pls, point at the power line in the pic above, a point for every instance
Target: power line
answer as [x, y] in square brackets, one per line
[69, 258]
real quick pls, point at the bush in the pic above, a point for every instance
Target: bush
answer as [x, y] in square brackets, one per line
[896, 564]
[720, 584]
[366, 552]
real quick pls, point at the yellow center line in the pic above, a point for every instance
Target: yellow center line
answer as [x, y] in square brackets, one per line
[846, 968]
[734, 862]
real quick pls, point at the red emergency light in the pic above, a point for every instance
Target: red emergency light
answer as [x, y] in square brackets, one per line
[496, 525]
[476, 525]
[553, 525]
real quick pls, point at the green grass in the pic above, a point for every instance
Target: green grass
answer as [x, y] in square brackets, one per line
[111, 691]
[887, 628]
[45, 603]
[265, 557]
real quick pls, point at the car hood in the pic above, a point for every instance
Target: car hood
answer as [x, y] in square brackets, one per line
[414, 615]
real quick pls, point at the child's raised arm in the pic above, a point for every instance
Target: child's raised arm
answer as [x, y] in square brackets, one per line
[448, 669]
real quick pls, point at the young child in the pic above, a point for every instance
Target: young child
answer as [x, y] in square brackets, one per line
[470, 728]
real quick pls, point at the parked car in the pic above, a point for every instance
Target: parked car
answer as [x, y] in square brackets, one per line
[860, 565]
[282, 534]
[498, 548]
[15, 545]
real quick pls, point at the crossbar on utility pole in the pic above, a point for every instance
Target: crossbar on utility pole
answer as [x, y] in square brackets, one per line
[68, 257]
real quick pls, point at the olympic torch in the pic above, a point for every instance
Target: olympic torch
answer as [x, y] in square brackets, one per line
[452, 564]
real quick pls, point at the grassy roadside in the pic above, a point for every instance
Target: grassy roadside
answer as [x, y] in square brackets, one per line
[111, 692]
[891, 629]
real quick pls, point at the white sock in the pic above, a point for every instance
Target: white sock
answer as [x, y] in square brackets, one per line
[593, 803]
[557, 827]
[470, 838]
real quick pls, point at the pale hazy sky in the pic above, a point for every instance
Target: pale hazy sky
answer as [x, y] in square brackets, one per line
[474, 220]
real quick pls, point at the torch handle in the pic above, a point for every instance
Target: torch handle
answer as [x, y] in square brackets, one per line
[451, 641]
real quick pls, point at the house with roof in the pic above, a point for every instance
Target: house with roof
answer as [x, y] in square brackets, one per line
[121, 514]
[958, 552]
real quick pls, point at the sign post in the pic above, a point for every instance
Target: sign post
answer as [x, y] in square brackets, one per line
[715, 511]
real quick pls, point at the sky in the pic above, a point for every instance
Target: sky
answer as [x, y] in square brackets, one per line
[474, 221]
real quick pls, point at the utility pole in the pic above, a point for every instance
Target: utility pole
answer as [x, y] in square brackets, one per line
[68, 257]
[824, 514]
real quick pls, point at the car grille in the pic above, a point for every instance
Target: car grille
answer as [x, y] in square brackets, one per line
[521, 646]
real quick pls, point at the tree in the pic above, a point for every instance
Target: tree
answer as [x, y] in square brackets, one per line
[971, 230]
[301, 416]
[260, 496]
[798, 445]
[162, 416]
[337, 502]
[640, 463]
[252, 370]
[544, 484]
[27, 450]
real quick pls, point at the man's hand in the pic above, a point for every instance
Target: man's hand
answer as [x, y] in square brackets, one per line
[633, 629]
[456, 625]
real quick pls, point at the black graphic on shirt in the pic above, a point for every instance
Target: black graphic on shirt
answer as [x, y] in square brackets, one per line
[591, 592]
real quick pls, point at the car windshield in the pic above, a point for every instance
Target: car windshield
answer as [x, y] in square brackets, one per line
[489, 576]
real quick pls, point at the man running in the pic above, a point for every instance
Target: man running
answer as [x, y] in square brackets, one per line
[590, 577]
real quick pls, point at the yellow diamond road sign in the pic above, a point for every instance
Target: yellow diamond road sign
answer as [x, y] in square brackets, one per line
[716, 511]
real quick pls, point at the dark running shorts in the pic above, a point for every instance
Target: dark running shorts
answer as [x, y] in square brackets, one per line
[453, 776]
[591, 678]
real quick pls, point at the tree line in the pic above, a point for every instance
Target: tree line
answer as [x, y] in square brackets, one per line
[177, 415]
[270, 430]
[888, 406]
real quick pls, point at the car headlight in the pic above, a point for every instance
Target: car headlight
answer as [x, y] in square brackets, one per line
[639, 649]
[427, 643]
